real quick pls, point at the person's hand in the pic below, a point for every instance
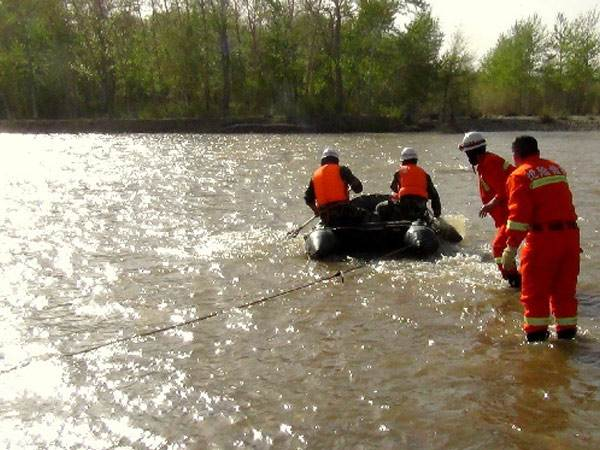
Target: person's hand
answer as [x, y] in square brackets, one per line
[508, 259]
[485, 209]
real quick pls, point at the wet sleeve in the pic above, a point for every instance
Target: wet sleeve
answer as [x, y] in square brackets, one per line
[351, 180]
[436, 204]
[519, 209]
[395, 186]
[309, 195]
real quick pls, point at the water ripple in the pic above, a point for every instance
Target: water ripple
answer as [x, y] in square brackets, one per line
[104, 237]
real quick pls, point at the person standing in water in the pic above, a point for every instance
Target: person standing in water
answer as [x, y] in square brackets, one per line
[541, 212]
[493, 171]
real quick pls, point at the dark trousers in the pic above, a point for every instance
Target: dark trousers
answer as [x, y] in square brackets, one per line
[407, 208]
[342, 214]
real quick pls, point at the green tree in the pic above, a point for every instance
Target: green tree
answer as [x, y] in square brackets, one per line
[370, 48]
[417, 64]
[581, 61]
[456, 76]
[282, 70]
[95, 51]
[35, 73]
[221, 12]
[510, 72]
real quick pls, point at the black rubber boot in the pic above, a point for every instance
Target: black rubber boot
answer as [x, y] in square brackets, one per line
[569, 333]
[538, 336]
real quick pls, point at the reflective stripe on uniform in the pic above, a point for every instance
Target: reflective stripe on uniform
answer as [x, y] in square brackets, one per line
[548, 180]
[537, 321]
[506, 165]
[566, 320]
[517, 226]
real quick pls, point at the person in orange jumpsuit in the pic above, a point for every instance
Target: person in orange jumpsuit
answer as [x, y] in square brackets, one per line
[327, 192]
[493, 171]
[541, 211]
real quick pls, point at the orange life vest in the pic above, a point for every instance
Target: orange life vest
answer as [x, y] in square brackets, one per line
[413, 181]
[329, 185]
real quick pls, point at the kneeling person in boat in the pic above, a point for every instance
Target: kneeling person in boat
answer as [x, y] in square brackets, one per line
[412, 188]
[328, 192]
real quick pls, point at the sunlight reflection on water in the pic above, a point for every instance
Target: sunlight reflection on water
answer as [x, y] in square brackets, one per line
[103, 237]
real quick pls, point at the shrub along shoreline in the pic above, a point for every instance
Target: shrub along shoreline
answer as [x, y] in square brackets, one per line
[261, 125]
[327, 59]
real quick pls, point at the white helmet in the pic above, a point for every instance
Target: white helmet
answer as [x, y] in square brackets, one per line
[330, 152]
[408, 153]
[472, 140]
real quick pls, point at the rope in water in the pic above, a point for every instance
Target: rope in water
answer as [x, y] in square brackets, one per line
[208, 316]
[339, 274]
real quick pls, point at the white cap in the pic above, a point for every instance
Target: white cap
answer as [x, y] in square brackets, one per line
[472, 140]
[330, 152]
[408, 153]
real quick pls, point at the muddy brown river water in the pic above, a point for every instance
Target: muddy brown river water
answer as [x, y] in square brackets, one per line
[105, 236]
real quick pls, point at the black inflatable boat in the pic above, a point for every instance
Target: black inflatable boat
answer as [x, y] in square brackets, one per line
[420, 238]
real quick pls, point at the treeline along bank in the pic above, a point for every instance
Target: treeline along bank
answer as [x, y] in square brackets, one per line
[297, 60]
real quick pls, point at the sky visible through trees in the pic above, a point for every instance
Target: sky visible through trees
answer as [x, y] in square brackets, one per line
[289, 59]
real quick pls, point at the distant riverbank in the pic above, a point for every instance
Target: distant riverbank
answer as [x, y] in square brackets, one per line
[261, 125]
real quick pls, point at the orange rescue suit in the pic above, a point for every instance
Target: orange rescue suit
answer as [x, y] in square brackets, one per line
[493, 172]
[413, 181]
[329, 185]
[541, 211]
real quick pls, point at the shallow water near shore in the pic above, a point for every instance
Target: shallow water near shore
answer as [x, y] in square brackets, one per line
[106, 236]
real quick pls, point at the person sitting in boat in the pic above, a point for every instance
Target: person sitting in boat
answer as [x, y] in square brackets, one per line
[411, 188]
[328, 192]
